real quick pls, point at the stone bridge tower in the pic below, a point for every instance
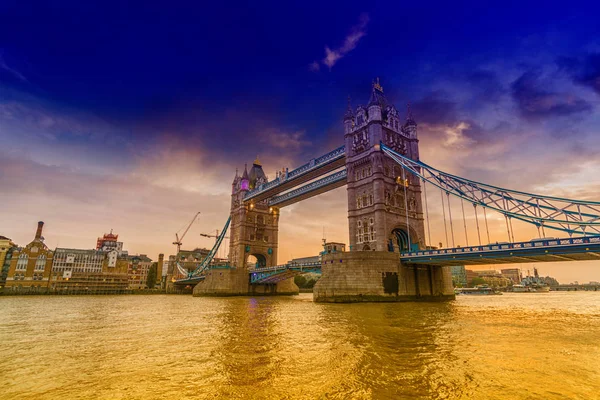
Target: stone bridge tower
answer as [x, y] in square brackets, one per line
[254, 226]
[253, 234]
[385, 215]
[384, 203]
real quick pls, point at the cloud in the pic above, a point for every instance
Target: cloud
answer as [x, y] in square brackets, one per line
[314, 66]
[286, 141]
[4, 66]
[583, 71]
[535, 102]
[332, 56]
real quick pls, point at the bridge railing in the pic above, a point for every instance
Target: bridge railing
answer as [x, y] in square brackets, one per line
[285, 266]
[328, 180]
[309, 166]
[507, 246]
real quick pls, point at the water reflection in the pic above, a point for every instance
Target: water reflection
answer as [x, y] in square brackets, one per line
[153, 347]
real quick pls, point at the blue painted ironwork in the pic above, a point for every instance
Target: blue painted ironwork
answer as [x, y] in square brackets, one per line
[311, 187]
[557, 249]
[261, 275]
[309, 166]
[567, 215]
[211, 255]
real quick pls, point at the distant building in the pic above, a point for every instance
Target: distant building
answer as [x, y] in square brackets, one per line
[333, 247]
[110, 242]
[514, 274]
[78, 271]
[137, 270]
[30, 267]
[303, 260]
[471, 275]
[6, 249]
[488, 272]
[188, 260]
[459, 275]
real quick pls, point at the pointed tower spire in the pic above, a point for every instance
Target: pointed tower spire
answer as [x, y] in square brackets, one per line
[349, 113]
[409, 116]
[377, 96]
[245, 183]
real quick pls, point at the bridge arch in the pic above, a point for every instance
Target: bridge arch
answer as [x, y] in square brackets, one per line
[403, 239]
[256, 260]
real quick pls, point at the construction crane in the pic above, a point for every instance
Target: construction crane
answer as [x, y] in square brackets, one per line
[178, 239]
[216, 235]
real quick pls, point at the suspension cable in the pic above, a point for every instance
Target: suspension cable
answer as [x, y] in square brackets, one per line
[427, 213]
[477, 222]
[512, 232]
[444, 212]
[450, 217]
[486, 225]
[404, 184]
[506, 217]
[462, 205]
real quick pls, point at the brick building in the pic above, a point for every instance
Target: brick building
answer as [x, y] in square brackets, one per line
[30, 266]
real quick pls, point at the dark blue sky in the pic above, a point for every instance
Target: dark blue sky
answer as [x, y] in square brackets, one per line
[128, 115]
[128, 61]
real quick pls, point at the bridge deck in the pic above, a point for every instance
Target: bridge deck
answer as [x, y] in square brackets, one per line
[572, 249]
[315, 168]
[279, 273]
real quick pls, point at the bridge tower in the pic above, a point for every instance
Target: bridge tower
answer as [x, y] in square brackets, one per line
[385, 213]
[253, 242]
[384, 204]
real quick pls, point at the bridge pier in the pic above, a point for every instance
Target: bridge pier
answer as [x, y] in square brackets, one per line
[236, 282]
[378, 276]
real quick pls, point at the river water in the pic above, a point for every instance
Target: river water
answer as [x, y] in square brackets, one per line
[514, 346]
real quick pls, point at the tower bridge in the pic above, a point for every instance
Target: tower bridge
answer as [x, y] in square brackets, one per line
[391, 256]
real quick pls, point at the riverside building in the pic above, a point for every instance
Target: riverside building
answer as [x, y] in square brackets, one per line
[137, 270]
[6, 249]
[30, 267]
[77, 271]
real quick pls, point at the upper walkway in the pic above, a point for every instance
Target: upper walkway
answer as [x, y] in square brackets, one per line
[313, 169]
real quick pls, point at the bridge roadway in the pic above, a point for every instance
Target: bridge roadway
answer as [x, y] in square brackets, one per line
[571, 249]
[313, 169]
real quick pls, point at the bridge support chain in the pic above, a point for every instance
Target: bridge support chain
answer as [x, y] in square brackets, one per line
[378, 276]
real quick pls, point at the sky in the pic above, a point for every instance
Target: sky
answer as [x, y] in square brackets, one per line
[133, 116]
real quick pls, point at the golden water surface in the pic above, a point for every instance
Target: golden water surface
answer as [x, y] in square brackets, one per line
[515, 346]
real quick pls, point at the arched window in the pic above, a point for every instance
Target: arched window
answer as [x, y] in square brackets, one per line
[358, 202]
[22, 262]
[40, 263]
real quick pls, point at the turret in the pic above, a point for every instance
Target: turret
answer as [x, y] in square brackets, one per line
[245, 182]
[348, 118]
[236, 182]
[256, 176]
[410, 126]
[376, 103]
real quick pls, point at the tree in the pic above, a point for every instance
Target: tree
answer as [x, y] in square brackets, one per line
[300, 281]
[477, 281]
[151, 278]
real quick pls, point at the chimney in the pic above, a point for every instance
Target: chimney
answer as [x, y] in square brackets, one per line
[38, 234]
[159, 266]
